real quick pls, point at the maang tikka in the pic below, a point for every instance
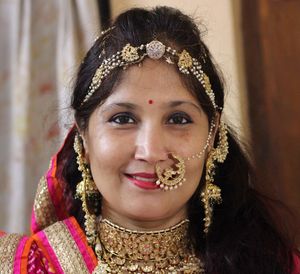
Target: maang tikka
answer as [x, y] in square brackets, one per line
[87, 192]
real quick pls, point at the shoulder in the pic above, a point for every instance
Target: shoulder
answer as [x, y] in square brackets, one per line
[59, 248]
[11, 246]
[64, 244]
[15, 250]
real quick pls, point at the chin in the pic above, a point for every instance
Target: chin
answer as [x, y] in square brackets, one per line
[146, 216]
[150, 214]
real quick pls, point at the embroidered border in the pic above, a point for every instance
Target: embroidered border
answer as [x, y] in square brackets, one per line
[8, 246]
[65, 248]
[79, 237]
[43, 207]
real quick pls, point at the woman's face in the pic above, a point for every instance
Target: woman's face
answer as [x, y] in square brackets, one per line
[149, 114]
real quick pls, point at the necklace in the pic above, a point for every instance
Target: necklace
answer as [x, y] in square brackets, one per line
[121, 250]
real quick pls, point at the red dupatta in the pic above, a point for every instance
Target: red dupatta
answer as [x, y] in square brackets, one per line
[57, 244]
[50, 215]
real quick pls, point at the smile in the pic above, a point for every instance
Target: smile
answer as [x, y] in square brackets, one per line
[143, 180]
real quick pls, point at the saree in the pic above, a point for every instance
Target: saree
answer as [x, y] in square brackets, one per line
[57, 243]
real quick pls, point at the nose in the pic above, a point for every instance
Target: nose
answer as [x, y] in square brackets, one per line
[151, 144]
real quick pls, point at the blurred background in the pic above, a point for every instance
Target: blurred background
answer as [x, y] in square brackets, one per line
[255, 44]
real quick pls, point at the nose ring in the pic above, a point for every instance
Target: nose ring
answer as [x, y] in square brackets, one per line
[171, 177]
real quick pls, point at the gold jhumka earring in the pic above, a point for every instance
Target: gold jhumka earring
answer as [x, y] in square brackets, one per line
[212, 193]
[88, 193]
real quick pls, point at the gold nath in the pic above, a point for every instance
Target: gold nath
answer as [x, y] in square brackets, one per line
[129, 55]
[173, 177]
[121, 250]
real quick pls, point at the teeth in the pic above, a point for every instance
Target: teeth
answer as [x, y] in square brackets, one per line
[152, 180]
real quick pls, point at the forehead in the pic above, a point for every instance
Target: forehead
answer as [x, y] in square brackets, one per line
[151, 80]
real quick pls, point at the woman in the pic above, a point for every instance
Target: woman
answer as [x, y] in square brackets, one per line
[149, 180]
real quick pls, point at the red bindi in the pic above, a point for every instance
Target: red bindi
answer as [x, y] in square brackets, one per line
[150, 102]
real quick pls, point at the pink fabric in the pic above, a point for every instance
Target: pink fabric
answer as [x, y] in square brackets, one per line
[19, 252]
[296, 264]
[53, 258]
[34, 225]
[37, 262]
[56, 185]
[52, 186]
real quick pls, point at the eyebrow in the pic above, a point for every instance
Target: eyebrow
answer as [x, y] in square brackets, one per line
[172, 104]
[129, 106]
[179, 103]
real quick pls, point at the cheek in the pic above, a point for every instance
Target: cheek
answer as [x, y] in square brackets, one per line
[184, 135]
[195, 171]
[107, 157]
[105, 146]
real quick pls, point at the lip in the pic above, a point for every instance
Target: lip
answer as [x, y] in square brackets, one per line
[149, 185]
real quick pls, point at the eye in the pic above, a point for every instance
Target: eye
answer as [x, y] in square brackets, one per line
[180, 119]
[122, 119]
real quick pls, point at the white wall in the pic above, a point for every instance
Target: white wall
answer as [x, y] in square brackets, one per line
[223, 37]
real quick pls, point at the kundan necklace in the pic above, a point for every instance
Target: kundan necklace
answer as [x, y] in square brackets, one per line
[121, 250]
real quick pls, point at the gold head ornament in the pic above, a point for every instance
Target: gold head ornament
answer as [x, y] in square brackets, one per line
[155, 50]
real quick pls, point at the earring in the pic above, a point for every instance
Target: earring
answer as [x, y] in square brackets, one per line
[171, 178]
[212, 193]
[87, 192]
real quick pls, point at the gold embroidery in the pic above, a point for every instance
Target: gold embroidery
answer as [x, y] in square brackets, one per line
[8, 247]
[65, 249]
[43, 207]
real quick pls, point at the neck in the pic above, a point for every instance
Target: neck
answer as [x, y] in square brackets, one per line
[143, 224]
[112, 226]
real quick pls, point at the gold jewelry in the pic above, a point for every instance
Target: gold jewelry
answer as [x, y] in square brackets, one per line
[86, 190]
[121, 250]
[129, 55]
[172, 178]
[212, 193]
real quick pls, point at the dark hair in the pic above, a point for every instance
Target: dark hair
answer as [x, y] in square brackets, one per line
[242, 237]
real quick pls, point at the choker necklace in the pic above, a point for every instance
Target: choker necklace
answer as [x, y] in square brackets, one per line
[121, 250]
